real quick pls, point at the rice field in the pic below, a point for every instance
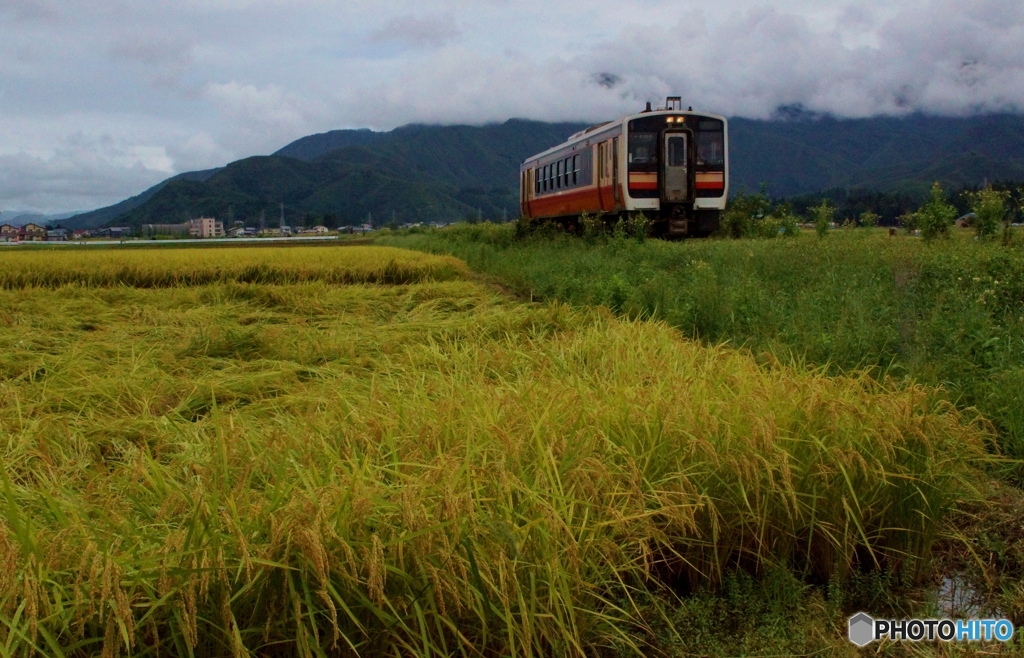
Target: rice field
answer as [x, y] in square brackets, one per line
[330, 460]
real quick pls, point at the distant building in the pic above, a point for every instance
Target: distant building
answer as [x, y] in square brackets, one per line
[32, 233]
[205, 227]
[8, 233]
[57, 235]
[966, 221]
[80, 233]
[116, 232]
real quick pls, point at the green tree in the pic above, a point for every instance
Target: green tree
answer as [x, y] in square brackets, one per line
[989, 208]
[869, 219]
[936, 215]
[823, 216]
[1008, 218]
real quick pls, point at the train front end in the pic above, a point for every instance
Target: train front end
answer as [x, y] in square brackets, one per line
[677, 169]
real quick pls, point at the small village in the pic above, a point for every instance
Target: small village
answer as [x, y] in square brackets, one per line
[200, 228]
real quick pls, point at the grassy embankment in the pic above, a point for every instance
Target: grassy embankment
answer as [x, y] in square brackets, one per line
[948, 314]
[220, 452]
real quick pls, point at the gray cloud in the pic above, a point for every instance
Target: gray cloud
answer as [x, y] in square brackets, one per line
[84, 173]
[163, 61]
[432, 31]
[27, 10]
[157, 88]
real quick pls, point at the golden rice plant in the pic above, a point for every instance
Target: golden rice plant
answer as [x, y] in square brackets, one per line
[310, 469]
[162, 268]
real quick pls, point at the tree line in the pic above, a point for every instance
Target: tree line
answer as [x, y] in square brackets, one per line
[989, 209]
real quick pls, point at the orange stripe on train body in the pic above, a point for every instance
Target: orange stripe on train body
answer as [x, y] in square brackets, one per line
[709, 180]
[643, 181]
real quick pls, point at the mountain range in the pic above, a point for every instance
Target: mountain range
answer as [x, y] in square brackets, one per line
[446, 173]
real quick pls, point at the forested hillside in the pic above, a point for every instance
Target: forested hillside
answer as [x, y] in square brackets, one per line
[446, 173]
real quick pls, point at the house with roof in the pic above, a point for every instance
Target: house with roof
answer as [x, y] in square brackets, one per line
[8, 233]
[32, 233]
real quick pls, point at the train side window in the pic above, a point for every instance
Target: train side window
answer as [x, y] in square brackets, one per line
[575, 169]
[558, 174]
[565, 171]
[536, 181]
[545, 177]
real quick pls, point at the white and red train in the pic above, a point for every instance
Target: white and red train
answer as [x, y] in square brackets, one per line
[671, 164]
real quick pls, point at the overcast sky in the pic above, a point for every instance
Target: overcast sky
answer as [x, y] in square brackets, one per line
[99, 99]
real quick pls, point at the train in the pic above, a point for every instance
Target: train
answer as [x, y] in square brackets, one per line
[668, 163]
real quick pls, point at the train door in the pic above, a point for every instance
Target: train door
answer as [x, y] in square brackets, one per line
[675, 170]
[615, 173]
[524, 177]
[599, 171]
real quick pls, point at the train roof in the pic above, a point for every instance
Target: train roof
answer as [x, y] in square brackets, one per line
[595, 129]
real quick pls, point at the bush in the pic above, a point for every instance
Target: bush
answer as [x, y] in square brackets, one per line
[776, 225]
[743, 212]
[638, 226]
[869, 219]
[936, 215]
[592, 226]
[823, 216]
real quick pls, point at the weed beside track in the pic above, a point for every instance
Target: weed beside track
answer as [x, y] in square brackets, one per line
[947, 314]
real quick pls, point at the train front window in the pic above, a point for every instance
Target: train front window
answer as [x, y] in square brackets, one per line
[643, 148]
[677, 151]
[710, 143]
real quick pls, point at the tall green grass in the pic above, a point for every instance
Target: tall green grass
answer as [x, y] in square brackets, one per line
[424, 469]
[947, 314]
